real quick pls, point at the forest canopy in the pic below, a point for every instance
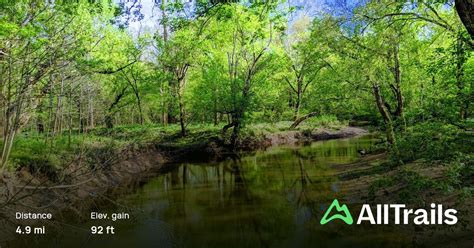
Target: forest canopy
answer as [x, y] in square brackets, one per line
[69, 67]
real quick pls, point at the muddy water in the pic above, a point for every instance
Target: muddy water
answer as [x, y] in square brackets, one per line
[274, 198]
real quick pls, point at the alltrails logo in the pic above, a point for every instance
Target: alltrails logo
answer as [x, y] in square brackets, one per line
[347, 217]
[402, 215]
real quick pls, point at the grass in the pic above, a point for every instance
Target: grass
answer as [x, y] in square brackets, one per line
[324, 121]
[40, 153]
[34, 150]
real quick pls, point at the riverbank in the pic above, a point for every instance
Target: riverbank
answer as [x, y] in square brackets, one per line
[115, 158]
[99, 180]
[416, 184]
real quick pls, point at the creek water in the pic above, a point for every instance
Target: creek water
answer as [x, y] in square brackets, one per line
[272, 198]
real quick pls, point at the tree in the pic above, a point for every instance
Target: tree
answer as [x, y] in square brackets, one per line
[249, 33]
[38, 39]
[177, 57]
[432, 14]
[308, 57]
[465, 9]
[116, 60]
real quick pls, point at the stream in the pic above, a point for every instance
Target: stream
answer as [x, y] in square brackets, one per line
[272, 198]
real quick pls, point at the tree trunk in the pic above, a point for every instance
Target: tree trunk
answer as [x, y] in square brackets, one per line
[91, 110]
[465, 9]
[290, 98]
[13, 124]
[216, 114]
[164, 114]
[7, 146]
[182, 120]
[460, 60]
[171, 102]
[58, 112]
[397, 87]
[79, 110]
[39, 123]
[182, 113]
[50, 108]
[70, 116]
[298, 121]
[297, 105]
[140, 111]
[236, 123]
[227, 126]
[109, 122]
[168, 107]
[109, 119]
[164, 21]
[385, 114]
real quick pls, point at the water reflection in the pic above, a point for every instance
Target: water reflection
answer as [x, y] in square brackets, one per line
[273, 198]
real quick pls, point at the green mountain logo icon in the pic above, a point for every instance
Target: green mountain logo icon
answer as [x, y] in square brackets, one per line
[346, 216]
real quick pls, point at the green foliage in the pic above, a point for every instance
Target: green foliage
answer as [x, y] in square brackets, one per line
[460, 172]
[67, 68]
[40, 157]
[413, 183]
[430, 141]
[326, 121]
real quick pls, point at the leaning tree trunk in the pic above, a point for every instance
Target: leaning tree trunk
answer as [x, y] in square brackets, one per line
[13, 125]
[298, 121]
[465, 9]
[109, 116]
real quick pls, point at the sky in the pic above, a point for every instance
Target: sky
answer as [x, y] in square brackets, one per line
[151, 13]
